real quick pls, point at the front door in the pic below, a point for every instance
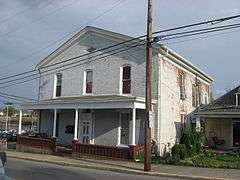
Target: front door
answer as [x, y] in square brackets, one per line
[125, 128]
[236, 133]
[86, 128]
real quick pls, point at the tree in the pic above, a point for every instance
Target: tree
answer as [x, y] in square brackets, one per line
[11, 111]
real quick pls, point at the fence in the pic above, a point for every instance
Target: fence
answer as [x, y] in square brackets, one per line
[101, 151]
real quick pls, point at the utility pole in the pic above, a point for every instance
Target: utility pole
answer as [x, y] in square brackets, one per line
[147, 147]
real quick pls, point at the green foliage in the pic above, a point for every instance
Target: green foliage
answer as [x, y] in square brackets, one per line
[209, 153]
[11, 111]
[220, 161]
[193, 141]
[179, 151]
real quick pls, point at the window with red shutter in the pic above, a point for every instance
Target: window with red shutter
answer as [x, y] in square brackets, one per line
[126, 80]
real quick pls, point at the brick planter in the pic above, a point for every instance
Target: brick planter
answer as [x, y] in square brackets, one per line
[107, 152]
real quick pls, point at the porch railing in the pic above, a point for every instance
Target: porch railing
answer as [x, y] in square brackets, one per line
[102, 151]
[48, 144]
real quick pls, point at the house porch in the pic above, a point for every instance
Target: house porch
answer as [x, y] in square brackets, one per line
[221, 132]
[113, 128]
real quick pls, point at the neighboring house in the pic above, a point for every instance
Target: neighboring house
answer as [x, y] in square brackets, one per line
[221, 120]
[102, 101]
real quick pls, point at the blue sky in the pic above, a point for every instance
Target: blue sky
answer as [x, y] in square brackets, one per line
[30, 30]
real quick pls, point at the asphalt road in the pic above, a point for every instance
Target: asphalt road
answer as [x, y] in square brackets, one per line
[26, 170]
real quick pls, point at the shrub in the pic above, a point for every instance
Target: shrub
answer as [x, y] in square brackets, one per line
[209, 153]
[193, 141]
[179, 151]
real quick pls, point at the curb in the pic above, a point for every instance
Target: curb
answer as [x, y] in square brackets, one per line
[112, 169]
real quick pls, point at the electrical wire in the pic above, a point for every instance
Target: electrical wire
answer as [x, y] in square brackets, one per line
[185, 34]
[186, 26]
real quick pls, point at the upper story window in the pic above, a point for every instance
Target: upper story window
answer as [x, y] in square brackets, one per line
[196, 95]
[182, 84]
[58, 89]
[89, 82]
[126, 80]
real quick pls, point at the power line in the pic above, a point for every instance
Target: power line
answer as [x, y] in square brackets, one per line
[22, 12]
[70, 59]
[202, 37]
[200, 33]
[61, 62]
[15, 96]
[36, 20]
[66, 35]
[198, 30]
[138, 38]
[69, 67]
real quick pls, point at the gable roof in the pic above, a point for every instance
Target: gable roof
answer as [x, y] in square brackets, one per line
[225, 103]
[88, 29]
[121, 38]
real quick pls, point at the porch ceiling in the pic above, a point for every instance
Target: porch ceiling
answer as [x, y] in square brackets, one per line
[88, 102]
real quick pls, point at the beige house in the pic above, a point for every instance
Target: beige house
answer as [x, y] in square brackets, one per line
[221, 120]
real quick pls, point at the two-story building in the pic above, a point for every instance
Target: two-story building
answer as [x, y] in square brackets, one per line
[90, 94]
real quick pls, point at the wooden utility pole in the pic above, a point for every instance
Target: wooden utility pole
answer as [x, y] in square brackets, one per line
[147, 147]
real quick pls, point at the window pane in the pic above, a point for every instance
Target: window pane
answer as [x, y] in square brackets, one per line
[58, 91]
[126, 86]
[59, 79]
[89, 76]
[127, 72]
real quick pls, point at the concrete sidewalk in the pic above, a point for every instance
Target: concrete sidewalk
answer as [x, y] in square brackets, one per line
[131, 167]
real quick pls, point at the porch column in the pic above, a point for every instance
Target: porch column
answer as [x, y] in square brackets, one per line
[54, 123]
[20, 122]
[198, 124]
[133, 126]
[76, 125]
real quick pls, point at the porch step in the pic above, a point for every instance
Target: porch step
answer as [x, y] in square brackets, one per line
[63, 151]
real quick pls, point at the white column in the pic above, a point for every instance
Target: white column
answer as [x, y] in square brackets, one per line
[119, 130]
[133, 126]
[198, 124]
[76, 125]
[20, 122]
[54, 123]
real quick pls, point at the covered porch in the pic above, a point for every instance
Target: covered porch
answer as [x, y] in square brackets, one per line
[96, 126]
[221, 129]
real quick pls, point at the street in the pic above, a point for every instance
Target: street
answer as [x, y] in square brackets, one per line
[26, 170]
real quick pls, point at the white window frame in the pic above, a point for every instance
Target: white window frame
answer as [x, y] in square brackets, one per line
[55, 85]
[85, 82]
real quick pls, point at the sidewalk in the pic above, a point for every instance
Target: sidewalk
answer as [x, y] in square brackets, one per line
[131, 167]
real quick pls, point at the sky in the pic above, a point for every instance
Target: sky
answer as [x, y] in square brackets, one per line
[30, 30]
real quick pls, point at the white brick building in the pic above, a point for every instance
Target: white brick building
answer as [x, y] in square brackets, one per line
[102, 101]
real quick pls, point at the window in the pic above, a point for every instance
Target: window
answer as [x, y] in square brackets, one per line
[126, 80]
[89, 81]
[196, 95]
[206, 98]
[183, 120]
[182, 78]
[58, 85]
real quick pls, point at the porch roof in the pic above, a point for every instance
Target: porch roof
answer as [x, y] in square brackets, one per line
[88, 102]
[223, 106]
